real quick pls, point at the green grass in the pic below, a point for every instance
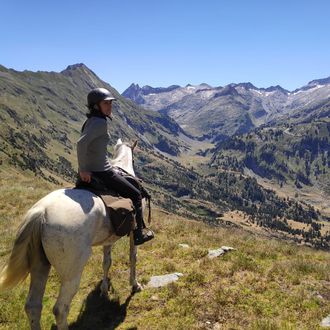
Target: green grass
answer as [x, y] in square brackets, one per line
[264, 284]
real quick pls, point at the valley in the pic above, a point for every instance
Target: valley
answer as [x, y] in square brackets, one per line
[228, 166]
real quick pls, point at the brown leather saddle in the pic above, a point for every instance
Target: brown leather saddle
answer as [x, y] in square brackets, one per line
[121, 209]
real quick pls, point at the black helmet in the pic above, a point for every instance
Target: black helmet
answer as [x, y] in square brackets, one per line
[97, 95]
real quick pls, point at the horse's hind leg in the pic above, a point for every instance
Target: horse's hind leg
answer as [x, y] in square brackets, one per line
[70, 271]
[61, 309]
[33, 306]
[136, 286]
[106, 282]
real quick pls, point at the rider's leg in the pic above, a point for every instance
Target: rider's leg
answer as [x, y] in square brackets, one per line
[118, 183]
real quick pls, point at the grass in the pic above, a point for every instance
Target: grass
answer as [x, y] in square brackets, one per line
[263, 284]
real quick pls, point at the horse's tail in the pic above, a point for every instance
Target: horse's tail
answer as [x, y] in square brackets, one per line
[26, 247]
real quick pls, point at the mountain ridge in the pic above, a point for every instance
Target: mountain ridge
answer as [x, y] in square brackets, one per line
[321, 81]
[215, 113]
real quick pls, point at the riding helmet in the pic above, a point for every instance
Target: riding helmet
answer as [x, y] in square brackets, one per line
[97, 95]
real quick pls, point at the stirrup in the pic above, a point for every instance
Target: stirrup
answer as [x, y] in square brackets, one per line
[142, 237]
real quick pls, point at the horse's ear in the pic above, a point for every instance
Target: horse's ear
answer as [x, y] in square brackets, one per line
[134, 144]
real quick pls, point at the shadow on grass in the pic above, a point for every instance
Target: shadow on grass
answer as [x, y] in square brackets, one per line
[101, 313]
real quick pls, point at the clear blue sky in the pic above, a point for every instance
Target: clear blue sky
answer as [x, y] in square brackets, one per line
[161, 43]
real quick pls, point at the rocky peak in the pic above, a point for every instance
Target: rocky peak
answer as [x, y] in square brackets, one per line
[323, 81]
[246, 85]
[78, 68]
[275, 88]
[228, 90]
[205, 85]
[133, 92]
[132, 88]
[156, 90]
[136, 93]
[83, 75]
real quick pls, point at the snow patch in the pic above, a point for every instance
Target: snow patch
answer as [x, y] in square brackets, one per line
[297, 92]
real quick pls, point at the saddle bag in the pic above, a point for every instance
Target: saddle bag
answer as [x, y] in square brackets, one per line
[121, 210]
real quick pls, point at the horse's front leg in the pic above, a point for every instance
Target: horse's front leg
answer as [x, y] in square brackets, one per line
[136, 286]
[106, 283]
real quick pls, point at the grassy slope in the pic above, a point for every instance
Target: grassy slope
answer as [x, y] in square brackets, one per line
[279, 156]
[40, 117]
[46, 110]
[264, 284]
[41, 114]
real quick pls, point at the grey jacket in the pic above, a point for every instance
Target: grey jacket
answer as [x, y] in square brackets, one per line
[92, 146]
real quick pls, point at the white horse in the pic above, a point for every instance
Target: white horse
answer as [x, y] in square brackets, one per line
[60, 230]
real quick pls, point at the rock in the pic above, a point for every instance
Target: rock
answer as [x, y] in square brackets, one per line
[216, 253]
[162, 280]
[325, 322]
[184, 245]
[219, 252]
[227, 248]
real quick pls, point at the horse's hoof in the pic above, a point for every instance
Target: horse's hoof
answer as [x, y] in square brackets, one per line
[137, 288]
[104, 289]
[104, 294]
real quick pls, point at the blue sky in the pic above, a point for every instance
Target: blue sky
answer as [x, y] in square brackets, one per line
[160, 43]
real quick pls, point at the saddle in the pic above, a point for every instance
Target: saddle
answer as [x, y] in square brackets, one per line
[121, 210]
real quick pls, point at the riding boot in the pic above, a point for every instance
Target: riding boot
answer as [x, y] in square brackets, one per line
[141, 236]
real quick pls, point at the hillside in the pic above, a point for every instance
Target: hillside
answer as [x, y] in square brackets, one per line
[292, 154]
[264, 284]
[50, 106]
[292, 159]
[41, 116]
[42, 113]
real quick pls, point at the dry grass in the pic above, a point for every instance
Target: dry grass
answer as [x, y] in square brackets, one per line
[264, 284]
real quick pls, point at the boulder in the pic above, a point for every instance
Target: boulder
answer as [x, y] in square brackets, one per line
[325, 322]
[218, 252]
[183, 245]
[162, 280]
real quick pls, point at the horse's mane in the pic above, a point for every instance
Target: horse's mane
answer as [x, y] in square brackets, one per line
[121, 158]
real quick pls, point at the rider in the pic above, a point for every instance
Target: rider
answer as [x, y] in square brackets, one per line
[93, 160]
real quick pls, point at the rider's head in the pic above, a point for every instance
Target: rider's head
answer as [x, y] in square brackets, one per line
[100, 99]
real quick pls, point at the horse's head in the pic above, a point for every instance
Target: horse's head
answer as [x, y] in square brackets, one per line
[123, 156]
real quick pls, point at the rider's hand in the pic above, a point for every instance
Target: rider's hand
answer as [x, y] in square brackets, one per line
[85, 176]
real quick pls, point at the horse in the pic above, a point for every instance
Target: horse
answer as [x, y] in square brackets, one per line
[59, 230]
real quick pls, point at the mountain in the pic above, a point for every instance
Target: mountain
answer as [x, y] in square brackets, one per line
[136, 93]
[292, 158]
[216, 113]
[41, 116]
[50, 106]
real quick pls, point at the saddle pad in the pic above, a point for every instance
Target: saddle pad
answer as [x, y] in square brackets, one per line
[121, 212]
